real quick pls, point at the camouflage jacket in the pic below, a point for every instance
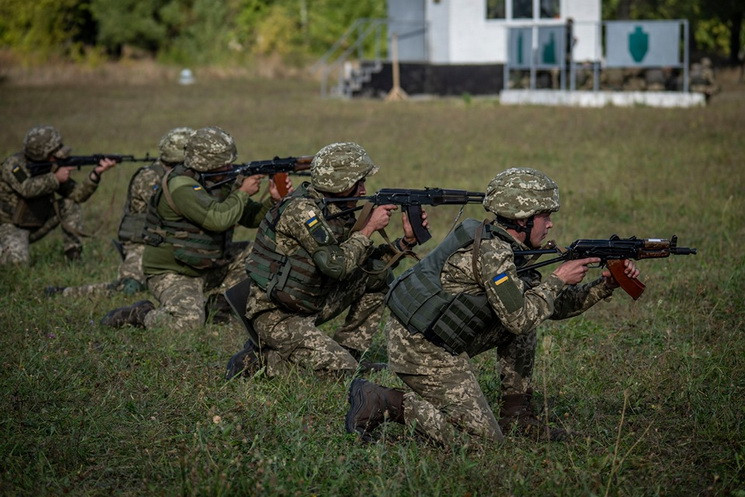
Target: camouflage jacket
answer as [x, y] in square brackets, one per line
[16, 185]
[144, 183]
[213, 212]
[303, 227]
[519, 303]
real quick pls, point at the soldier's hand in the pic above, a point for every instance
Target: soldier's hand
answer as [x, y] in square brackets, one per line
[250, 184]
[379, 219]
[572, 272]
[629, 269]
[409, 236]
[104, 165]
[274, 191]
[62, 174]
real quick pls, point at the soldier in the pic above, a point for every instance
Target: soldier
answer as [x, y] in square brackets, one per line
[189, 236]
[145, 181]
[703, 79]
[32, 206]
[465, 298]
[310, 262]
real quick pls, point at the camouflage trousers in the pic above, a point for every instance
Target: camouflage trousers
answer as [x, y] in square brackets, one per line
[182, 298]
[130, 268]
[15, 241]
[446, 396]
[288, 338]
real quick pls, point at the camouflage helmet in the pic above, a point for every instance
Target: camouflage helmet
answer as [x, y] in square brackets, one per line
[521, 192]
[337, 167]
[209, 148]
[42, 141]
[171, 146]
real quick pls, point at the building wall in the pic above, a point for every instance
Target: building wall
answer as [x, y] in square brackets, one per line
[459, 33]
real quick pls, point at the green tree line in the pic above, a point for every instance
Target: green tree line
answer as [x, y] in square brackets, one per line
[222, 31]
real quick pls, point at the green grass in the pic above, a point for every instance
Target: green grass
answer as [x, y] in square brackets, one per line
[653, 389]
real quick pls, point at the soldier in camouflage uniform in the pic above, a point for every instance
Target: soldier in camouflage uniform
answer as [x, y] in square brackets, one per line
[703, 79]
[310, 263]
[32, 206]
[465, 298]
[145, 181]
[189, 233]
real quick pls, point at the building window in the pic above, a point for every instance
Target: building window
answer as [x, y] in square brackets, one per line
[522, 9]
[549, 9]
[495, 9]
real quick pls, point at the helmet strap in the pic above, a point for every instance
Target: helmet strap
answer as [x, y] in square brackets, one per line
[513, 225]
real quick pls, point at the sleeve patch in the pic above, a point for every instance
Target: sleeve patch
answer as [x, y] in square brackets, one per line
[19, 174]
[507, 292]
[318, 230]
[196, 188]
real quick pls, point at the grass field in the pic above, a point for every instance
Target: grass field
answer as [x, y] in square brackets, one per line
[652, 389]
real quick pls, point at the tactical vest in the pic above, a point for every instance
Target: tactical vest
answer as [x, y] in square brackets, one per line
[132, 224]
[293, 282]
[192, 244]
[417, 299]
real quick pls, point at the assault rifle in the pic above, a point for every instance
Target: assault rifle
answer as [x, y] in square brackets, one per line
[278, 168]
[612, 253]
[77, 161]
[411, 201]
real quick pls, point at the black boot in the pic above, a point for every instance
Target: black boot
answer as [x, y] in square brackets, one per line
[517, 416]
[370, 405]
[133, 315]
[51, 291]
[247, 362]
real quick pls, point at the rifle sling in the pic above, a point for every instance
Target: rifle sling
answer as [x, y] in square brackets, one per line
[167, 194]
[362, 220]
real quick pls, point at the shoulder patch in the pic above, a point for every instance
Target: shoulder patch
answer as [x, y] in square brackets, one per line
[196, 188]
[318, 230]
[19, 174]
[508, 292]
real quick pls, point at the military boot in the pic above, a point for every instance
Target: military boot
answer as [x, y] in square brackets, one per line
[51, 291]
[517, 416]
[133, 315]
[247, 362]
[370, 405]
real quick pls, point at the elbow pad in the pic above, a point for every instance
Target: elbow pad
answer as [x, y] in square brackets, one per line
[330, 261]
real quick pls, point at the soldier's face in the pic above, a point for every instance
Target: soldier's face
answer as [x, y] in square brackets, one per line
[541, 225]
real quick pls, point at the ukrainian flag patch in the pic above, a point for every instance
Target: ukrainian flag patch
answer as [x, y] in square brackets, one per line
[500, 278]
[196, 188]
[311, 222]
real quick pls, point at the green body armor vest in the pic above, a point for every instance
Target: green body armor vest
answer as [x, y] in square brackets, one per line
[192, 244]
[293, 282]
[452, 321]
[132, 224]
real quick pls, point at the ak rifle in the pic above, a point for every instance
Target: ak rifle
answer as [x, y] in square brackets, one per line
[277, 168]
[612, 252]
[411, 202]
[78, 161]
